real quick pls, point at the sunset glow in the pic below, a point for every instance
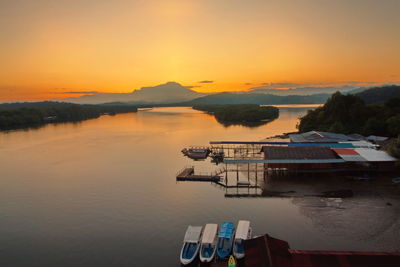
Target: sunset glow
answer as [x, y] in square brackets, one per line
[49, 48]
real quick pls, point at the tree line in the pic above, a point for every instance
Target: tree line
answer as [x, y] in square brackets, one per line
[25, 115]
[245, 114]
[350, 114]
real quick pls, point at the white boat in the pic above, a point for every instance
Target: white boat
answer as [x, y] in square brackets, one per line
[191, 244]
[208, 242]
[243, 232]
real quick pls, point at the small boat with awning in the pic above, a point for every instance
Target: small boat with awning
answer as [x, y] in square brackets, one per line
[196, 153]
[225, 239]
[191, 244]
[208, 242]
[243, 232]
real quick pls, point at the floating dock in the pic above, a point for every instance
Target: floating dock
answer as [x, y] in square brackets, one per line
[187, 174]
[266, 251]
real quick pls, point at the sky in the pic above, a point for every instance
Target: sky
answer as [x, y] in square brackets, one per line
[49, 48]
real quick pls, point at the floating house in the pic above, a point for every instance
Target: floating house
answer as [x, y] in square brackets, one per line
[325, 158]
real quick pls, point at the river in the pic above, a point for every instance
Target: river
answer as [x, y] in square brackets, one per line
[103, 193]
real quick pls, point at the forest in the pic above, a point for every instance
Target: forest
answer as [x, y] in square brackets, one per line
[245, 114]
[25, 115]
[350, 114]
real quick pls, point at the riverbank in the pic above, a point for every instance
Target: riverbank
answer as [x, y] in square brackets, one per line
[30, 115]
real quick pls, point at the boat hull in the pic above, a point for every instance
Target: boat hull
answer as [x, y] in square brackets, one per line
[188, 257]
[209, 258]
[224, 247]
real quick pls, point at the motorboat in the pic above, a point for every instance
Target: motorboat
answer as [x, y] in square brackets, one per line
[225, 239]
[196, 153]
[208, 245]
[396, 180]
[191, 244]
[243, 232]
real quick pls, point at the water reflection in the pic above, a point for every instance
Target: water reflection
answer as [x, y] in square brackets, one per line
[103, 193]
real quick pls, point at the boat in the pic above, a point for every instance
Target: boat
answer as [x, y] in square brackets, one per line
[196, 153]
[396, 180]
[217, 156]
[243, 232]
[191, 244]
[225, 239]
[231, 261]
[208, 242]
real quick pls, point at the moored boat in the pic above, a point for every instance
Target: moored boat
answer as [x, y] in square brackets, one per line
[243, 232]
[208, 242]
[225, 239]
[196, 153]
[191, 244]
[396, 180]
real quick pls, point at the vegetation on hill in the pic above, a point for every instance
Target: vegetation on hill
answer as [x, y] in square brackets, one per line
[25, 115]
[350, 114]
[246, 114]
[379, 94]
[259, 99]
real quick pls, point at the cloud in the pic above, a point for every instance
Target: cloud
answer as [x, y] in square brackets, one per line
[248, 84]
[192, 86]
[205, 81]
[79, 92]
[283, 85]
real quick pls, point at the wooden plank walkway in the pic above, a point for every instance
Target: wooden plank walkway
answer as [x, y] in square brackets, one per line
[187, 174]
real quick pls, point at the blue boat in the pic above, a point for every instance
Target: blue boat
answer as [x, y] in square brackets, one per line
[191, 244]
[225, 239]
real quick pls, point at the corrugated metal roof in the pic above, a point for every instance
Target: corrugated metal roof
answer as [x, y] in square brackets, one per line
[377, 138]
[331, 145]
[352, 158]
[317, 136]
[289, 161]
[301, 152]
[374, 155]
[360, 144]
[344, 151]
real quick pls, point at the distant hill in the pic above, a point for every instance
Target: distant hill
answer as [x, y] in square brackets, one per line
[260, 99]
[379, 94]
[170, 92]
[304, 91]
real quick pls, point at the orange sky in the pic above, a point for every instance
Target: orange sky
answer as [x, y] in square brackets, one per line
[50, 47]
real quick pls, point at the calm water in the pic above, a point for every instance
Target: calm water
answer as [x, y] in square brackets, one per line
[103, 193]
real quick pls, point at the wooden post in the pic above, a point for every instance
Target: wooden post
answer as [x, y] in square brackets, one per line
[226, 174]
[248, 171]
[237, 172]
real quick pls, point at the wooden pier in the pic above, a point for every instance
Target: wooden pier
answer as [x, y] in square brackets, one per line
[187, 174]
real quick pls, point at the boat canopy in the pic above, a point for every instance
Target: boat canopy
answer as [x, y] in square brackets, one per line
[210, 231]
[226, 230]
[193, 234]
[242, 230]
